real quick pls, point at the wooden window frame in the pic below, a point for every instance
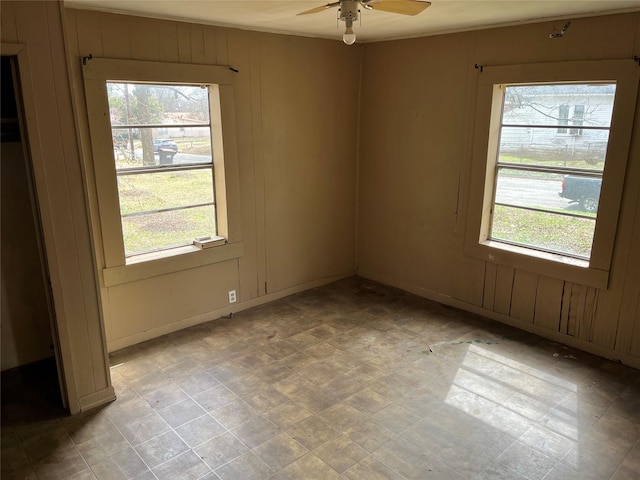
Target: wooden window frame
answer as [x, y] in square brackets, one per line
[595, 271]
[118, 268]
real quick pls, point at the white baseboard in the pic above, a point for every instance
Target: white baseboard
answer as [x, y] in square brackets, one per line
[100, 397]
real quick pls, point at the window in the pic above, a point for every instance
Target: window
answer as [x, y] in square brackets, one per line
[578, 119]
[163, 148]
[540, 201]
[563, 118]
[164, 163]
[547, 186]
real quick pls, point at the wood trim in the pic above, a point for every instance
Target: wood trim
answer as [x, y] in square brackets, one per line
[105, 171]
[174, 260]
[594, 273]
[97, 398]
[96, 71]
[145, 71]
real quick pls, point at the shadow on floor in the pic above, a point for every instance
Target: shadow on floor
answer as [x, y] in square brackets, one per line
[31, 393]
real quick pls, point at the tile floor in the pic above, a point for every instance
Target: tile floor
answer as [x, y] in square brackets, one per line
[349, 381]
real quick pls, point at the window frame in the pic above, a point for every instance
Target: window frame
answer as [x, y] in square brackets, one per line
[140, 171]
[594, 272]
[118, 268]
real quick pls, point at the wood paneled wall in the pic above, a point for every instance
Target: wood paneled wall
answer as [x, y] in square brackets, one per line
[296, 102]
[418, 103]
[301, 104]
[33, 32]
[25, 319]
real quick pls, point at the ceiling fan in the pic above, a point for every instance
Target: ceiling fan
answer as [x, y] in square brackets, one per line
[348, 11]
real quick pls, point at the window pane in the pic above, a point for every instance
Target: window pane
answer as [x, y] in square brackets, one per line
[158, 231]
[530, 189]
[139, 147]
[147, 104]
[546, 148]
[546, 231]
[155, 191]
[554, 105]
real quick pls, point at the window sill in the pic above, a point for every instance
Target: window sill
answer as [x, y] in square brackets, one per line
[542, 263]
[553, 257]
[155, 264]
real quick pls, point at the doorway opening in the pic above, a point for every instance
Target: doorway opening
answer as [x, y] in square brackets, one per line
[31, 371]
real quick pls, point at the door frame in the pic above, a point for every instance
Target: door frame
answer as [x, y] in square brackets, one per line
[34, 160]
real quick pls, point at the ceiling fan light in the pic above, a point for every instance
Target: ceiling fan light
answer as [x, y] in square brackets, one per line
[349, 36]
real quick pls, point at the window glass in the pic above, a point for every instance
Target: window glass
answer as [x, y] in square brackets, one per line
[550, 160]
[145, 232]
[563, 118]
[164, 164]
[547, 104]
[542, 146]
[544, 230]
[578, 119]
[164, 190]
[169, 145]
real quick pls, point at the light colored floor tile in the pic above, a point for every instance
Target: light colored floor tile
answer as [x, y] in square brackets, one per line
[280, 451]
[308, 467]
[526, 461]
[161, 449]
[199, 430]
[187, 466]
[245, 467]
[256, 431]
[340, 453]
[181, 412]
[371, 469]
[375, 382]
[220, 450]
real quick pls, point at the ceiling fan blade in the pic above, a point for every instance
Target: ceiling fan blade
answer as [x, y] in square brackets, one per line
[320, 9]
[404, 7]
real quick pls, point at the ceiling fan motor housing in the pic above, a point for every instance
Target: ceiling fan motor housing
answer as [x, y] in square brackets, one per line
[348, 11]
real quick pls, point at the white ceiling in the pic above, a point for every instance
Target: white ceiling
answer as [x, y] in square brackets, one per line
[444, 16]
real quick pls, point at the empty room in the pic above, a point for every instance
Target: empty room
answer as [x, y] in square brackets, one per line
[377, 239]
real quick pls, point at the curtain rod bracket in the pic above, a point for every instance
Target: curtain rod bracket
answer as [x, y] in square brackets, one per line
[561, 33]
[88, 57]
[234, 70]
[479, 67]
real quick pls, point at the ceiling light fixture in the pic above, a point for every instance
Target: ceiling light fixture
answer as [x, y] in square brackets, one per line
[348, 11]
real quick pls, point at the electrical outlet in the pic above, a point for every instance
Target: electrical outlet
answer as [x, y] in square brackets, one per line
[232, 296]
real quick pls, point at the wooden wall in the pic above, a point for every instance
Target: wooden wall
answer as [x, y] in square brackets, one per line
[33, 32]
[296, 103]
[26, 324]
[298, 120]
[417, 113]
